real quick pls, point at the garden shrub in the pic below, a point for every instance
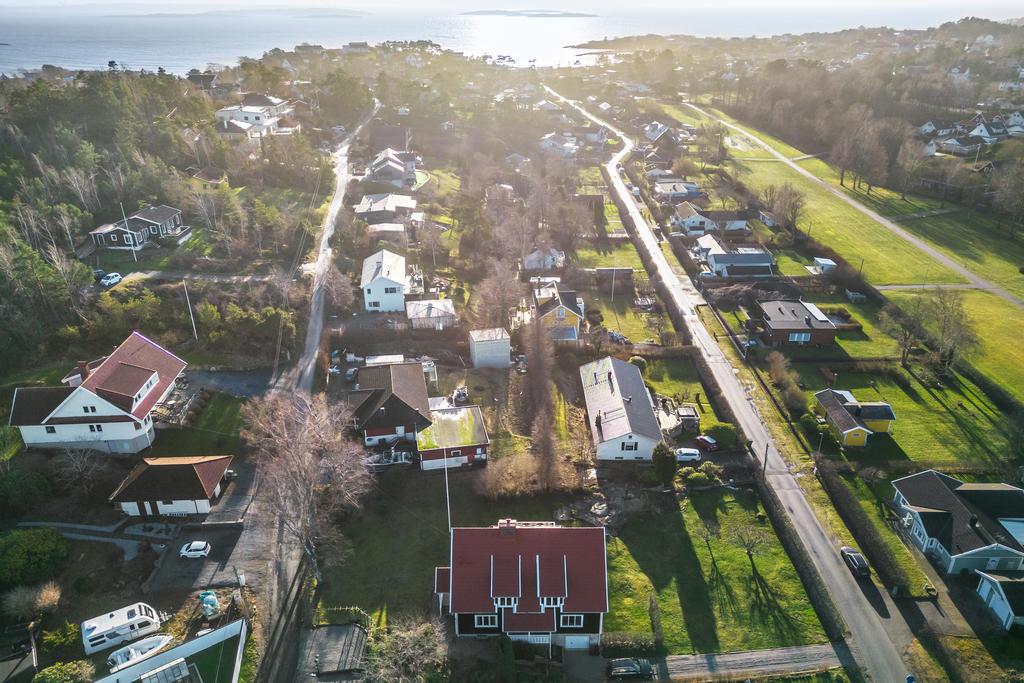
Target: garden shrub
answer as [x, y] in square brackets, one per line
[724, 434]
[698, 479]
[20, 603]
[627, 644]
[79, 671]
[683, 475]
[30, 555]
[663, 462]
[640, 362]
[809, 424]
[20, 491]
[649, 477]
[65, 636]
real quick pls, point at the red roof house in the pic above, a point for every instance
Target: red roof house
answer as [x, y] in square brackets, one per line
[533, 581]
[106, 404]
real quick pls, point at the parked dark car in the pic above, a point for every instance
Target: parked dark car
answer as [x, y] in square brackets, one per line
[855, 561]
[98, 274]
[630, 668]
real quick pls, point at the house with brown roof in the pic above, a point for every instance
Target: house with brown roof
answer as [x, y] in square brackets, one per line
[963, 527]
[390, 402]
[172, 486]
[794, 322]
[851, 421]
[533, 581]
[105, 404]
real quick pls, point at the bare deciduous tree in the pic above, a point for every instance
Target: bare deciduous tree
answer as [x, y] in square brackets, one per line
[310, 471]
[955, 332]
[496, 295]
[78, 469]
[338, 287]
[751, 539]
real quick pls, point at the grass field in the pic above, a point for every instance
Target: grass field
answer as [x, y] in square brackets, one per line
[214, 431]
[1000, 354]
[615, 254]
[619, 316]
[869, 342]
[710, 596]
[888, 259]
[947, 425]
[678, 378]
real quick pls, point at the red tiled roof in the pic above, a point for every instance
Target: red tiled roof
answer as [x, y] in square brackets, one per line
[583, 549]
[511, 621]
[119, 375]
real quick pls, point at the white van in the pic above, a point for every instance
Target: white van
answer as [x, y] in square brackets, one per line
[119, 626]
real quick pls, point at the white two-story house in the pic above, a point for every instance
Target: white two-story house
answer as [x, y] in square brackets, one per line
[384, 282]
[105, 404]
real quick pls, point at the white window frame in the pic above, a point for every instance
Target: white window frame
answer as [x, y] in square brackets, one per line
[505, 602]
[629, 446]
[113, 237]
[551, 602]
[485, 620]
[800, 337]
[570, 621]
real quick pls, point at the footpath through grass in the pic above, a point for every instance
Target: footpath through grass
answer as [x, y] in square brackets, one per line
[710, 596]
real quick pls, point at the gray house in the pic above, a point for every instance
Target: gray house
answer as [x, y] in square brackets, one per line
[963, 527]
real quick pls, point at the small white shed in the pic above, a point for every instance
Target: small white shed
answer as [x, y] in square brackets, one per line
[824, 265]
[490, 348]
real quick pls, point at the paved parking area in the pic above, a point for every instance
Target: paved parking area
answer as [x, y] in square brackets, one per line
[233, 551]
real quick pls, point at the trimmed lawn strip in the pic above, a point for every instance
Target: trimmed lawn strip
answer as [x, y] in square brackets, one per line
[709, 599]
[888, 259]
[873, 502]
[1000, 354]
[619, 314]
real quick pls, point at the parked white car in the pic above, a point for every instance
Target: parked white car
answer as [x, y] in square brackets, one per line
[195, 549]
[687, 455]
[110, 279]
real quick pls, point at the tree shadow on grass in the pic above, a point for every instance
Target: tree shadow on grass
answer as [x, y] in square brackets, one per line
[662, 548]
[765, 606]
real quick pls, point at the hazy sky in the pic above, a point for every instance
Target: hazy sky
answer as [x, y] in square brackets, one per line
[996, 9]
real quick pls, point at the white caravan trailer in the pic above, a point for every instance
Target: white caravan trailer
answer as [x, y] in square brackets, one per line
[119, 626]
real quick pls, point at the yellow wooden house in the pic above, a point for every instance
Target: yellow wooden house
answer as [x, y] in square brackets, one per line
[557, 308]
[851, 421]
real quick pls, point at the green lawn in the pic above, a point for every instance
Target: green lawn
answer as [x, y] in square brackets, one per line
[214, 431]
[947, 425]
[444, 183]
[888, 259]
[619, 316]
[620, 254]
[677, 377]
[1000, 354]
[869, 342]
[709, 599]
[776, 144]
[402, 534]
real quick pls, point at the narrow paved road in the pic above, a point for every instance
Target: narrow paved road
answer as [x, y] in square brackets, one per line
[871, 646]
[186, 275]
[301, 376]
[977, 281]
[754, 663]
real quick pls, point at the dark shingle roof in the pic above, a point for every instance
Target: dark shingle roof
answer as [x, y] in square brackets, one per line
[833, 406]
[33, 404]
[184, 478]
[792, 314]
[399, 389]
[157, 214]
[566, 297]
[963, 519]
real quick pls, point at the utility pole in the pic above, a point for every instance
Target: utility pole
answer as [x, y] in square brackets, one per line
[764, 470]
[614, 264]
[860, 273]
[447, 497]
[126, 229]
[188, 302]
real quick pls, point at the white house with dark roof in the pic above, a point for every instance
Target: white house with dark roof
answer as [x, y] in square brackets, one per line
[1003, 593]
[620, 410]
[137, 229]
[964, 527]
[105, 405]
[173, 486]
[384, 282]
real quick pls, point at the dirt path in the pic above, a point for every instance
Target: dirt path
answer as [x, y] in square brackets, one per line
[737, 665]
[953, 265]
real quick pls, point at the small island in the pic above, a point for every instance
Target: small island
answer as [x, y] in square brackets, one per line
[532, 13]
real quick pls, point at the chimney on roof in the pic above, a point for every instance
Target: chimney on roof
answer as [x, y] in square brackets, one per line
[611, 384]
[974, 521]
[507, 527]
[83, 368]
[807, 319]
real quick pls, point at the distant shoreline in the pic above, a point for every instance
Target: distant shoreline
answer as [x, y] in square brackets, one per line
[531, 13]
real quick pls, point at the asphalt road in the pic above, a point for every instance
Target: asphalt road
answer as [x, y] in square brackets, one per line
[976, 281]
[871, 645]
[301, 376]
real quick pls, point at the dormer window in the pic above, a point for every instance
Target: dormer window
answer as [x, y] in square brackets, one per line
[505, 602]
[551, 602]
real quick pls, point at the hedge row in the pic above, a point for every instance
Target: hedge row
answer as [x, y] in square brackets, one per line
[685, 257]
[860, 525]
[829, 616]
[628, 644]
